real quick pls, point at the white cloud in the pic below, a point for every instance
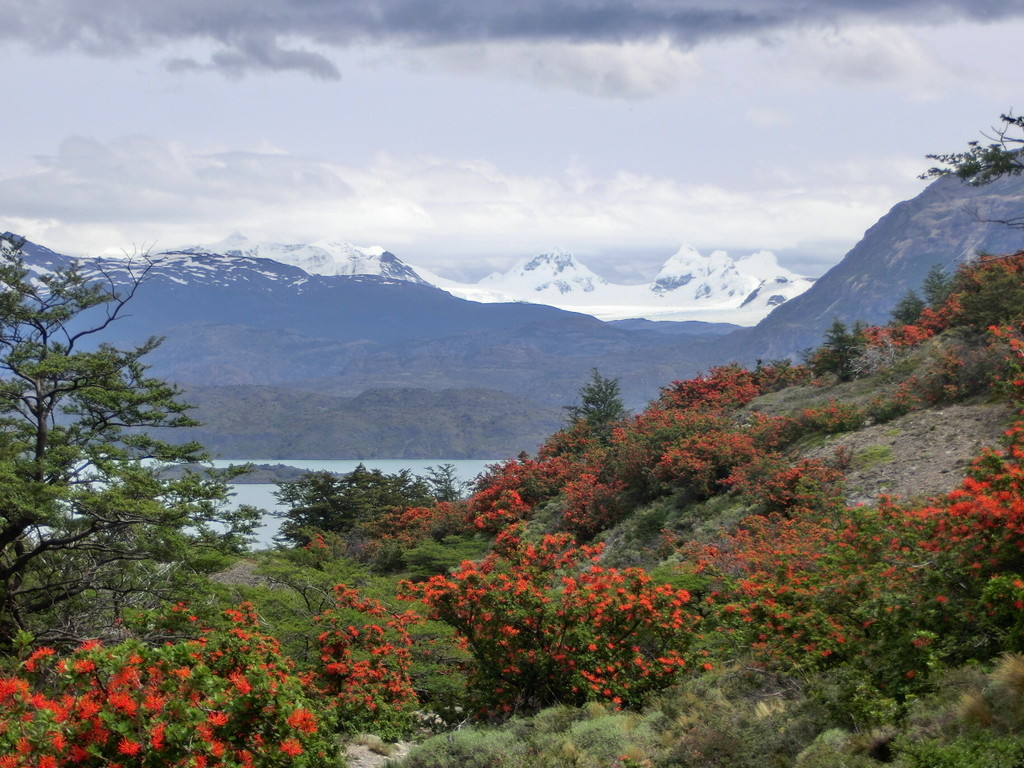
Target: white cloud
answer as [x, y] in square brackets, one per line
[767, 117]
[629, 70]
[866, 55]
[99, 197]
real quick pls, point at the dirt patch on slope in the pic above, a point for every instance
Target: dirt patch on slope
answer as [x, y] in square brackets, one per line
[362, 756]
[921, 454]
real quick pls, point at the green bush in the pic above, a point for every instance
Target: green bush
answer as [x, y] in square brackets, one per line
[831, 749]
[981, 749]
[602, 740]
[471, 748]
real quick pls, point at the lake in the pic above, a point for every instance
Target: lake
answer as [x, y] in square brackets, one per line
[262, 494]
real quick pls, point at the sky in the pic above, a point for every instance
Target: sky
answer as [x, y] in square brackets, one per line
[464, 135]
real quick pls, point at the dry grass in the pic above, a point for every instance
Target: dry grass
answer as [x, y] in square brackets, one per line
[375, 744]
[975, 710]
[1009, 676]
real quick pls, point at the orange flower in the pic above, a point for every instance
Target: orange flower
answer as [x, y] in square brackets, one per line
[128, 747]
[240, 682]
[217, 718]
[303, 720]
[39, 653]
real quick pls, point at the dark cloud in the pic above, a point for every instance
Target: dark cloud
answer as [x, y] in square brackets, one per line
[253, 53]
[278, 34]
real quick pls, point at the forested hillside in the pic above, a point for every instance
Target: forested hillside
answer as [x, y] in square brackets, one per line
[714, 580]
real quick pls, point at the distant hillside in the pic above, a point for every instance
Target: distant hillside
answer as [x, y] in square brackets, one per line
[274, 423]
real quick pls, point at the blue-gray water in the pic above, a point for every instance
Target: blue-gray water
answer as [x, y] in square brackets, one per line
[262, 495]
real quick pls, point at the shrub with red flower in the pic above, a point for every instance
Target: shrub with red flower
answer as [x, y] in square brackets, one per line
[787, 487]
[545, 627]
[365, 659]
[591, 505]
[832, 418]
[812, 592]
[228, 699]
[888, 592]
[639, 445]
[405, 528]
[987, 292]
[511, 490]
[699, 463]
[723, 388]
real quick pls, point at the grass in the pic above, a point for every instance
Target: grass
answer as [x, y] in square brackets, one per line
[872, 456]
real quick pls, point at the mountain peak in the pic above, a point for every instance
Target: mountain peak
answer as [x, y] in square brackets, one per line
[687, 265]
[552, 274]
[557, 260]
[325, 257]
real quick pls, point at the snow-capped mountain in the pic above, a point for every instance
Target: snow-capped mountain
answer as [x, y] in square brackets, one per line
[751, 283]
[550, 275]
[689, 286]
[324, 257]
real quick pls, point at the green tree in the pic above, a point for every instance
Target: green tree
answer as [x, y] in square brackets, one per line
[991, 293]
[90, 522]
[600, 405]
[935, 289]
[986, 162]
[908, 309]
[937, 286]
[444, 483]
[322, 501]
[839, 352]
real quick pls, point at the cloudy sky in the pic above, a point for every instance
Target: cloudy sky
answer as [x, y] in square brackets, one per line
[465, 134]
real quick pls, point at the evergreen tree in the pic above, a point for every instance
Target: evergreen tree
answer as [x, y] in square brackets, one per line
[89, 521]
[937, 286]
[839, 351]
[986, 162]
[444, 483]
[600, 405]
[1001, 155]
[908, 310]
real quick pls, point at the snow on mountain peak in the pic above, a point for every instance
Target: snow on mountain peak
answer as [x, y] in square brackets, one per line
[556, 261]
[703, 277]
[324, 257]
[689, 286]
[764, 266]
[554, 273]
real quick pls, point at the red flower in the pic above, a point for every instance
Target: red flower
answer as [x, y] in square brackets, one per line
[217, 718]
[128, 747]
[302, 720]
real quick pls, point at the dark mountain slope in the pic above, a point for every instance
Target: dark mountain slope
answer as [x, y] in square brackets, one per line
[939, 226]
